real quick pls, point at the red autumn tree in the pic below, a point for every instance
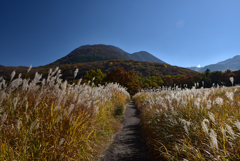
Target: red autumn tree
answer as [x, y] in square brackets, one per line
[124, 78]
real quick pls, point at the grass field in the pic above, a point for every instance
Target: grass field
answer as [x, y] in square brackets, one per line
[48, 119]
[196, 124]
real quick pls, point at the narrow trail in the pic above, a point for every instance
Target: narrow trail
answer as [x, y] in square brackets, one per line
[127, 144]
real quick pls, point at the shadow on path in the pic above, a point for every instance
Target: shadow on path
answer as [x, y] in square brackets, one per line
[127, 144]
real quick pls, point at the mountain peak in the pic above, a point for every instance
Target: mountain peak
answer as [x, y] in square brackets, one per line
[145, 56]
[90, 53]
[101, 52]
[139, 56]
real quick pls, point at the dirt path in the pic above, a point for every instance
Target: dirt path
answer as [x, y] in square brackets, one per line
[127, 145]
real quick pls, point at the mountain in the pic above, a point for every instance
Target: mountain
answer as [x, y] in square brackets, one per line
[215, 67]
[139, 56]
[232, 64]
[90, 53]
[104, 57]
[195, 68]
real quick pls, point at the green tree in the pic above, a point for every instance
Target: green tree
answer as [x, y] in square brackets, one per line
[178, 79]
[98, 76]
[168, 81]
[207, 72]
[228, 71]
[216, 77]
[152, 81]
[159, 81]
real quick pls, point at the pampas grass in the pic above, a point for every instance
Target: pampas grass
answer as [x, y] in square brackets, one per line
[196, 124]
[49, 119]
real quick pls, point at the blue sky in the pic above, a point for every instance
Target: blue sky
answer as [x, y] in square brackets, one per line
[180, 32]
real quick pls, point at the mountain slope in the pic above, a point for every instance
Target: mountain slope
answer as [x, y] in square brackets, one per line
[143, 69]
[139, 56]
[127, 55]
[145, 56]
[232, 64]
[90, 53]
[214, 67]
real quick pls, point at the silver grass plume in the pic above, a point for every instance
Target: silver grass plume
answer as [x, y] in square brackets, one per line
[2, 96]
[70, 109]
[238, 125]
[4, 117]
[50, 71]
[211, 116]
[19, 124]
[58, 119]
[15, 101]
[56, 69]
[33, 124]
[232, 80]
[30, 67]
[219, 101]
[230, 96]
[230, 131]
[209, 104]
[75, 72]
[213, 137]
[186, 124]
[14, 84]
[223, 131]
[12, 75]
[61, 142]
[26, 107]
[204, 125]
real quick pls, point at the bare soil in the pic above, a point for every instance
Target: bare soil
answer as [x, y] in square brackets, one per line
[127, 144]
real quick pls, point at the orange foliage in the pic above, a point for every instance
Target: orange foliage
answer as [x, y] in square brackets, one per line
[126, 79]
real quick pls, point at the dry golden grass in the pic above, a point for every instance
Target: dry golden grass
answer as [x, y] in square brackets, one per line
[197, 124]
[53, 120]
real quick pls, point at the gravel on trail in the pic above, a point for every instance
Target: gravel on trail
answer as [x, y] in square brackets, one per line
[127, 144]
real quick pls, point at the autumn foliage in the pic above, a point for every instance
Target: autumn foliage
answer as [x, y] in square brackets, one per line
[127, 79]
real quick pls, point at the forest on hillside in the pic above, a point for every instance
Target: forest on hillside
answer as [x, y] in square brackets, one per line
[133, 75]
[134, 83]
[143, 69]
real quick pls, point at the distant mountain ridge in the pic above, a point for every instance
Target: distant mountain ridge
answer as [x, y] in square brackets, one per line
[101, 52]
[232, 64]
[139, 56]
